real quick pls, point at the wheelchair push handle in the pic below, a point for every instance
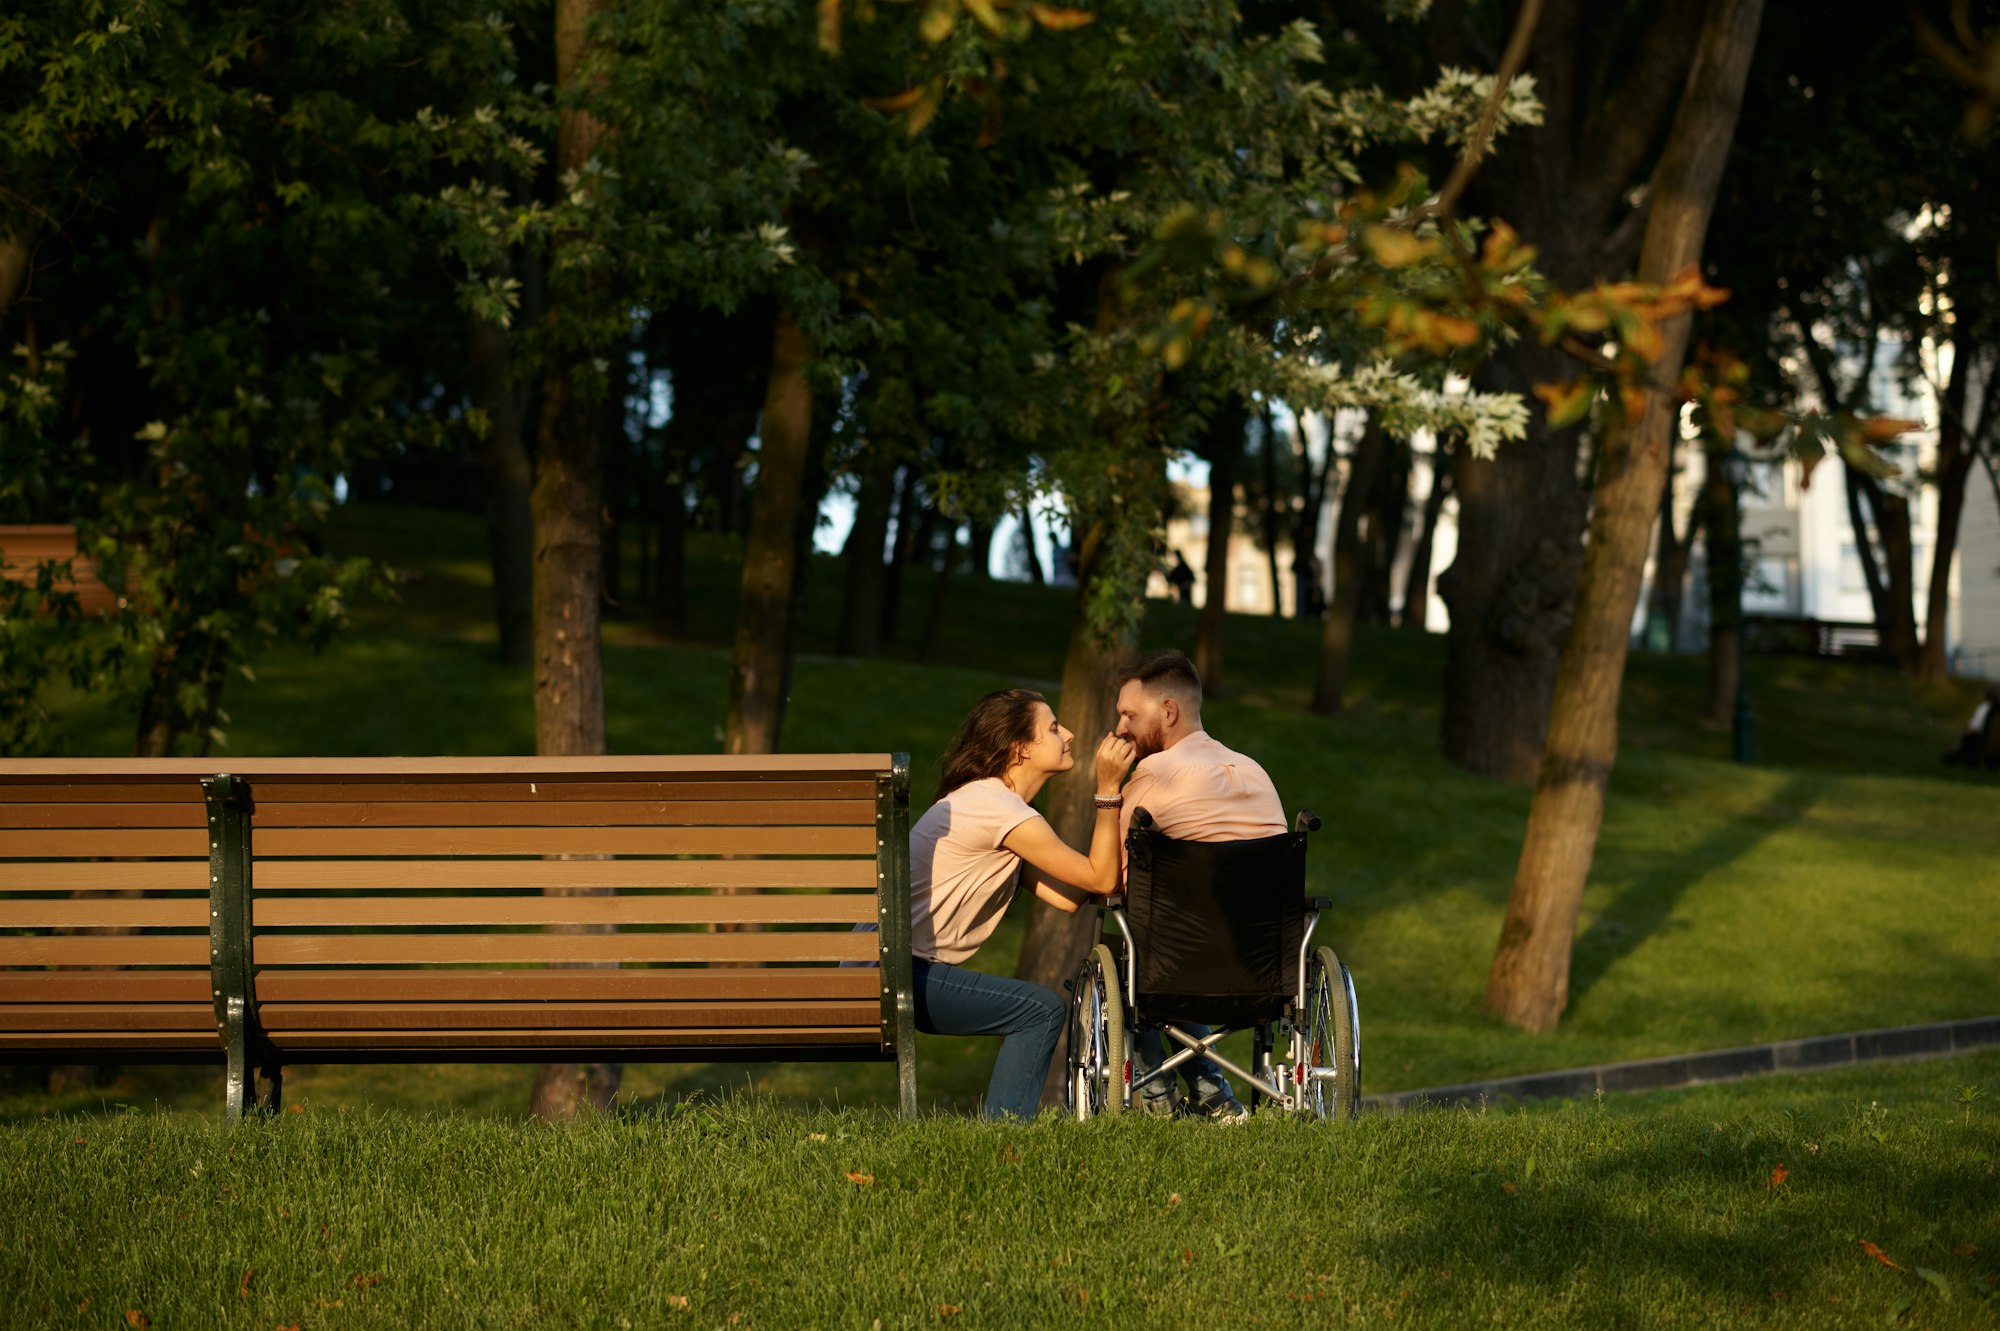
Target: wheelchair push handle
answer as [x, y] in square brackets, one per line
[1307, 821]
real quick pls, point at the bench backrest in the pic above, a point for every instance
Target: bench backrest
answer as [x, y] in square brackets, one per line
[473, 908]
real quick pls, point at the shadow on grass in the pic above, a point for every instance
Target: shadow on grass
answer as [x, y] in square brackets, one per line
[1693, 1220]
[1648, 902]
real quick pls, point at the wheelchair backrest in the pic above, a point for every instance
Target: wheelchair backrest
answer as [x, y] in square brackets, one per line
[1216, 925]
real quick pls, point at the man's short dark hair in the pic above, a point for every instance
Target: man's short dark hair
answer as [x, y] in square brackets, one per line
[1165, 672]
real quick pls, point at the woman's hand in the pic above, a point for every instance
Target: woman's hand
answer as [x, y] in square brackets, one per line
[1114, 759]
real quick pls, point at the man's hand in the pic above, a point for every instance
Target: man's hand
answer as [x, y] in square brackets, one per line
[1114, 759]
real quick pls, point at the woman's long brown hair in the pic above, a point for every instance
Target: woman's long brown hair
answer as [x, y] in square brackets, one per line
[988, 739]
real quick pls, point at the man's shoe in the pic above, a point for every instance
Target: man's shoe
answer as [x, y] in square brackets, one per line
[1222, 1107]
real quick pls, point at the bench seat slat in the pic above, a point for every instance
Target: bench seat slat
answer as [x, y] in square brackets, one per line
[548, 1016]
[400, 875]
[666, 1041]
[399, 813]
[100, 950]
[443, 949]
[570, 985]
[104, 876]
[107, 1016]
[138, 1041]
[851, 908]
[88, 986]
[113, 913]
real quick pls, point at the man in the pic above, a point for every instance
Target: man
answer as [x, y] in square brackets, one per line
[1975, 746]
[1196, 790]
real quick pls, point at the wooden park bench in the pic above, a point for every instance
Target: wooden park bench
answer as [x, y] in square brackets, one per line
[23, 551]
[317, 910]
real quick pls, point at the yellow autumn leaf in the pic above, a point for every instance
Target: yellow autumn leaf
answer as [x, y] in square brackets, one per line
[1392, 246]
[1060, 20]
[938, 21]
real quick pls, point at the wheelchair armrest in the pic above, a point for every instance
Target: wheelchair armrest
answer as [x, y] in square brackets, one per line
[1307, 821]
[1319, 903]
[1142, 818]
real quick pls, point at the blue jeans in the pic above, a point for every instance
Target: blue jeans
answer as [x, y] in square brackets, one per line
[952, 1000]
[1204, 1079]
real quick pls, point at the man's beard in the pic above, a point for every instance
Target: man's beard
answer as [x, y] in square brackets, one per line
[1147, 743]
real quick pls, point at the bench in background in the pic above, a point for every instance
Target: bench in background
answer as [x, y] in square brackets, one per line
[317, 910]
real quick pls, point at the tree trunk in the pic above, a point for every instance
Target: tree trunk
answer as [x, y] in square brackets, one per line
[670, 558]
[813, 485]
[503, 462]
[1511, 587]
[861, 617]
[1670, 561]
[940, 591]
[16, 248]
[770, 554]
[1896, 616]
[979, 552]
[567, 505]
[1954, 470]
[1529, 983]
[1225, 449]
[617, 468]
[1030, 555]
[1853, 482]
[1272, 526]
[1568, 186]
[1055, 941]
[1417, 582]
[1722, 508]
[1383, 518]
[1308, 601]
[900, 552]
[1336, 641]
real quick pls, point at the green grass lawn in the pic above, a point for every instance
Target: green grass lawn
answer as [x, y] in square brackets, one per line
[1763, 1204]
[1850, 881]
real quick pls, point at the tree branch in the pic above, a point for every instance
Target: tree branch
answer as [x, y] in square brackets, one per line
[1489, 116]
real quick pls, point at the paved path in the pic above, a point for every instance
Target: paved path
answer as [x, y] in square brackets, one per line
[1659, 1074]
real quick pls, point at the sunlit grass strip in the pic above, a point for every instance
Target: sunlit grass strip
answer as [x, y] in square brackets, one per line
[1749, 1203]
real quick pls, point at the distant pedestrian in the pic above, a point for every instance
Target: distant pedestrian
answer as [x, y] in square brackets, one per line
[1181, 578]
[1976, 747]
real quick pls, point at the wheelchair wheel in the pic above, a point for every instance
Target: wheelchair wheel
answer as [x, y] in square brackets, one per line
[1097, 1038]
[1331, 1031]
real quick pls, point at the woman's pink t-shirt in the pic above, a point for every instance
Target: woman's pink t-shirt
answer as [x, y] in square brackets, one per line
[961, 877]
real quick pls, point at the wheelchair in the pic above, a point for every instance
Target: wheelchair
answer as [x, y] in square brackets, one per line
[1217, 932]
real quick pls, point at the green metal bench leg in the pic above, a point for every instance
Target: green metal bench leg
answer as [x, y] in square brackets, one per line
[236, 1087]
[229, 958]
[899, 1019]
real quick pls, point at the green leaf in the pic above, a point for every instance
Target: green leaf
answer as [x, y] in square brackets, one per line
[1936, 1281]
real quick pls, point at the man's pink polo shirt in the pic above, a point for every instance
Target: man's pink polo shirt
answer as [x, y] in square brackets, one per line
[1200, 791]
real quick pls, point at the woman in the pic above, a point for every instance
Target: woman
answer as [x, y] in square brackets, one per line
[966, 854]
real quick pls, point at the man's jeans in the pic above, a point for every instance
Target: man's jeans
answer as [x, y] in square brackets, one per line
[952, 1000]
[1205, 1081]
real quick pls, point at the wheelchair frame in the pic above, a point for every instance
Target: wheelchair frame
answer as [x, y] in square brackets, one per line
[1320, 1029]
